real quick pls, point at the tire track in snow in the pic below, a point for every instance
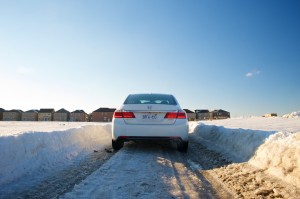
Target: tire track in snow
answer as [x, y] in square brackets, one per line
[190, 184]
[238, 180]
[144, 170]
[63, 181]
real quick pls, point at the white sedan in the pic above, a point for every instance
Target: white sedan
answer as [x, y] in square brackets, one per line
[150, 117]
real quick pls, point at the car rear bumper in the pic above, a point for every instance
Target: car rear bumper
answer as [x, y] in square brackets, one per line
[176, 131]
[129, 138]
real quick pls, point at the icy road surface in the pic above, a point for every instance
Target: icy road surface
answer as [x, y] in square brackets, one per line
[158, 170]
[145, 170]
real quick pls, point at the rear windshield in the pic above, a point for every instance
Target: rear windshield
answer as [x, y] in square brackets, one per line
[150, 99]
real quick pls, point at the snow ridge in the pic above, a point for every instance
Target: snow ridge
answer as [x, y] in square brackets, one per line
[277, 152]
[31, 152]
[239, 145]
[295, 114]
[280, 156]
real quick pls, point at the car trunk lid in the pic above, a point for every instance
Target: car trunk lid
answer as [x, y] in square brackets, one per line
[149, 114]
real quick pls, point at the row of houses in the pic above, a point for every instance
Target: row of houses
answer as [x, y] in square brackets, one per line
[270, 115]
[49, 114]
[211, 115]
[99, 115]
[206, 114]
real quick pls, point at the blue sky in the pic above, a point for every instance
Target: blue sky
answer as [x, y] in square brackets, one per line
[241, 56]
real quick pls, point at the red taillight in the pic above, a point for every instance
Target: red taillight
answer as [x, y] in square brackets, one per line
[175, 115]
[181, 115]
[120, 114]
[128, 115]
[171, 115]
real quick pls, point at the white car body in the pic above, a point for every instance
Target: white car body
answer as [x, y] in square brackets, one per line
[150, 117]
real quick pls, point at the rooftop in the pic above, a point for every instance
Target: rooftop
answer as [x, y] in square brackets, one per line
[46, 110]
[105, 110]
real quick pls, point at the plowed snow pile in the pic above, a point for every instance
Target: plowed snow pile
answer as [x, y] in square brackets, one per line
[280, 156]
[38, 148]
[292, 115]
[271, 144]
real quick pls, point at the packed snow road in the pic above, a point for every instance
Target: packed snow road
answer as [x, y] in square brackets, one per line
[139, 170]
[145, 170]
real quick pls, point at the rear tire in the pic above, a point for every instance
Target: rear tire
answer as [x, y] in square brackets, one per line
[117, 144]
[183, 146]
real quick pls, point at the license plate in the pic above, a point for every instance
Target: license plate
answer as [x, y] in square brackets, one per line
[149, 116]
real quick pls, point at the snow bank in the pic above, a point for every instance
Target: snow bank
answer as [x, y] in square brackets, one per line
[292, 115]
[28, 152]
[280, 156]
[239, 145]
[272, 144]
[9, 128]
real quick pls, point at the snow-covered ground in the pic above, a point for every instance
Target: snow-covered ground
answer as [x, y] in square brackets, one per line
[44, 147]
[272, 144]
[27, 148]
[16, 127]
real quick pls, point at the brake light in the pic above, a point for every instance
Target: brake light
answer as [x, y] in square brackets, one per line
[175, 115]
[171, 115]
[120, 114]
[181, 115]
[128, 115]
